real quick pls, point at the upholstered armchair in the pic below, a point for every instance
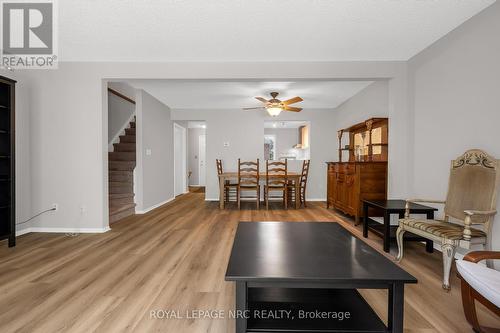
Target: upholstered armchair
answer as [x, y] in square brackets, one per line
[479, 283]
[469, 209]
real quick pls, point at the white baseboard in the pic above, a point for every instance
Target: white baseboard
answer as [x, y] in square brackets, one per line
[144, 211]
[63, 230]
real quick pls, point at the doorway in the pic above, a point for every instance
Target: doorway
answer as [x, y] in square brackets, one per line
[202, 144]
[180, 160]
[197, 162]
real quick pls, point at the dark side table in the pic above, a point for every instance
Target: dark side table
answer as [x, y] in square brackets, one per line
[388, 231]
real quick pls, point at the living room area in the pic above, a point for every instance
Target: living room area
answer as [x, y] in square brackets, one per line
[198, 185]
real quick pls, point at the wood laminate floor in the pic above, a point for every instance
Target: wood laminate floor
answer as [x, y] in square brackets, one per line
[174, 258]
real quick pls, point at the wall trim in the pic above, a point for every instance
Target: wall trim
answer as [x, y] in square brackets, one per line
[116, 138]
[63, 230]
[144, 211]
[122, 96]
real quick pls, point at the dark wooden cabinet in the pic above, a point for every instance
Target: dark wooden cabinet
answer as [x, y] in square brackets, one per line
[364, 176]
[7, 160]
[349, 183]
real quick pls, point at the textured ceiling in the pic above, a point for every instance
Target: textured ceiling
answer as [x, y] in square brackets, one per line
[257, 30]
[196, 94]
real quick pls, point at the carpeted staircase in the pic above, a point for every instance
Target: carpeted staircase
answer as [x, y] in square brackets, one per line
[121, 176]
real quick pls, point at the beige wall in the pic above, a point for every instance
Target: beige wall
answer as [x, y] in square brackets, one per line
[66, 157]
[193, 166]
[455, 102]
[119, 110]
[244, 131]
[286, 138]
[373, 101]
[154, 172]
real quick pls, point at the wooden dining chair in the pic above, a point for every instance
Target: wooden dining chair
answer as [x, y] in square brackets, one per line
[303, 184]
[230, 188]
[248, 181]
[276, 181]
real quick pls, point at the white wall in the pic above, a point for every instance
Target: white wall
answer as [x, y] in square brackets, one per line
[222, 127]
[373, 101]
[193, 135]
[119, 110]
[69, 125]
[245, 133]
[286, 139]
[456, 102]
[155, 172]
[22, 151]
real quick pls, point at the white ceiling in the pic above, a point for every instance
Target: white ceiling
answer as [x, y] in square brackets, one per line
[257, 30]
[196, 94]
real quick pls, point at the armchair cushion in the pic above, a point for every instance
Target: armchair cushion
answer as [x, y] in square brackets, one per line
[484, 280]
[440, 229]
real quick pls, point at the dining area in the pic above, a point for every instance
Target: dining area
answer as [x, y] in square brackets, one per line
[261, 183]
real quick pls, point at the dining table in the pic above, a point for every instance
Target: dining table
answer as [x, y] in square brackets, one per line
[293, 176]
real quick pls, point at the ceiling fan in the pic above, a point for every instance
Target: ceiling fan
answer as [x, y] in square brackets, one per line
[274, 106]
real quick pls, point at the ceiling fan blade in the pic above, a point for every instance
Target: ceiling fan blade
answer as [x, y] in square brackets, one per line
[292, 100]
[260, 107]
[293, 109]
[263, 100]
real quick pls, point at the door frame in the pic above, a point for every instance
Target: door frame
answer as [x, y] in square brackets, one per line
[183, 158]
[199, 166]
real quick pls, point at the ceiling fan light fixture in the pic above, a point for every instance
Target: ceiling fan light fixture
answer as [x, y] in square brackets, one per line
[274, 111]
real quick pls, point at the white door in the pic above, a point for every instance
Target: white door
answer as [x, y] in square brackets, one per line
[179, 159]
[202, 144]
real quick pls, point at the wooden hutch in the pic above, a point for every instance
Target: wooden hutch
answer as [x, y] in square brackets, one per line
[364, 175]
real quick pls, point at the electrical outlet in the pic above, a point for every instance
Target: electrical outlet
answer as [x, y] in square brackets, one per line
[55, 207]
[83, 210]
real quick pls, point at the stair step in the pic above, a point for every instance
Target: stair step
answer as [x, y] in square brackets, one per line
[124, 146]
[132, 124]
[121, 215]
[122, 201]
[120, 208]
[120, 196]
[130, 131]
[121, 165]
[127, 138]
[120, 190]
[121, 156]
[120, 184]
[121, 176]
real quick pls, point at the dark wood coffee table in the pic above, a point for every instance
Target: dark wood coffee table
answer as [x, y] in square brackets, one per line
[388, 231]
[313, 267]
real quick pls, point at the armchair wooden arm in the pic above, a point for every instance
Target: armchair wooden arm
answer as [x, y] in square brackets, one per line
[409, 201]
[477, 256]
[470, 295]
[480, 212]
[469, 214]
